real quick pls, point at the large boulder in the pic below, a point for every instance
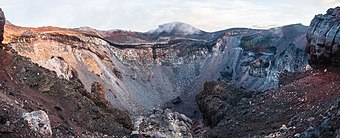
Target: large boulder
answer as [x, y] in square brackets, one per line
[38, 121]
[2, 24]
[162, 124]
[324, 38]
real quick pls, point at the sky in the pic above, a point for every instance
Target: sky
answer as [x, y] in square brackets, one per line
[145, 15]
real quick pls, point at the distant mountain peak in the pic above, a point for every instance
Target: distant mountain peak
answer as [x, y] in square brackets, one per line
[176, 28]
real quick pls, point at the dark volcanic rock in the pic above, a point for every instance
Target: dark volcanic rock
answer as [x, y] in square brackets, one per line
[324, 38]
[3, 116]
[305, 107]
[218, 96]
[2, 23]
[177, 100]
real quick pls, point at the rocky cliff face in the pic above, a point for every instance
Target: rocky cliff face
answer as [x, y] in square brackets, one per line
[254, 60]
[324, 38]
[140, 75]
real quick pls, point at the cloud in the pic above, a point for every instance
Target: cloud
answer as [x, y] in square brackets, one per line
[178, 27]
[330, 3]
[144, 15]
[263, 26]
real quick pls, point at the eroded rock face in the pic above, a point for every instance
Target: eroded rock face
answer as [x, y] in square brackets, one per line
[324, 38]
[254, 60]
[2, 23]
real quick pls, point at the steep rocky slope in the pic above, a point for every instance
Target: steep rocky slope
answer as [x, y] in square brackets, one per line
[306, 105]
[139, 76]
[34, 102]
[72, 111]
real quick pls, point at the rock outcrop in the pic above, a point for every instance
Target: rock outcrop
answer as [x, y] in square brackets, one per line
[324, 38]
[2, 24]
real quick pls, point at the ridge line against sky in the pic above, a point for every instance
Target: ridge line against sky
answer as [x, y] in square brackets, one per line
[145, 15]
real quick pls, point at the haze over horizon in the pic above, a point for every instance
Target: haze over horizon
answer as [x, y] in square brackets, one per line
[145, 15]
